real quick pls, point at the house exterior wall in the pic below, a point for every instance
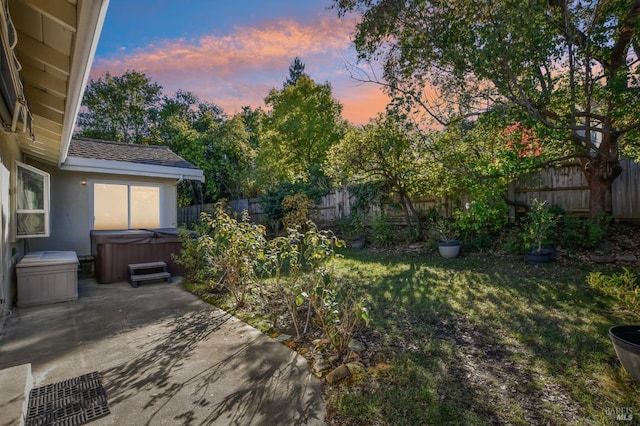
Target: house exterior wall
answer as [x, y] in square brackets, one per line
[10, 249]
[72, 207]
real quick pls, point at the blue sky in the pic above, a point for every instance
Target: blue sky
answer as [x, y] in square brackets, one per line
[233, 52]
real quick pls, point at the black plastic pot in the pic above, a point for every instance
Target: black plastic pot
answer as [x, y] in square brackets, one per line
[626, 342]
[544, 255]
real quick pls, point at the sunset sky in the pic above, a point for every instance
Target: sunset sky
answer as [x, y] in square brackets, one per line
[232, 52]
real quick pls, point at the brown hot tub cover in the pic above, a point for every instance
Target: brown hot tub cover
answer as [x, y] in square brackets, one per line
[114, 250]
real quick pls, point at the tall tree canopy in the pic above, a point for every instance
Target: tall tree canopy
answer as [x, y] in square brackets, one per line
[304, 122]
[296, 70]
[569, 66]
[120, 108]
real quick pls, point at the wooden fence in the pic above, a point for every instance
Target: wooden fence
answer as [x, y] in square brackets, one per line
[563, 186]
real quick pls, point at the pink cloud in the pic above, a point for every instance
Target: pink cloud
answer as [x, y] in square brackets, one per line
[237, 69]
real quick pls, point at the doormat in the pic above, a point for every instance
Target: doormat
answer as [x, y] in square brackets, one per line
[68, 403]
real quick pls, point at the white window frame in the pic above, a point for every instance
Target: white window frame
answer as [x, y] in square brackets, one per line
[46, 211]
[128, 185]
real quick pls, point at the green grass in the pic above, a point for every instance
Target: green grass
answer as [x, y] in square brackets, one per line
[480, 340]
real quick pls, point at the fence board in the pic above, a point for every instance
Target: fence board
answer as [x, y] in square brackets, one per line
[564, 186]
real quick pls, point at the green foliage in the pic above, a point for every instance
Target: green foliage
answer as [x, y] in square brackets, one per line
[338, 315]
[624, 288]
[303, 123]
[480, 218]
[225, 252]
[300, 267]
[446, 61]
[352, 226]
[366, 195]
[445, 228]
[581, 233]
[383, 151]
[382, 232]
[120, 108]
[272, 200]
[297, 209]
[296, 70]
[539, 225]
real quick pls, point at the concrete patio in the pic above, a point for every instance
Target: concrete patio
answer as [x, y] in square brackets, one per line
[165, 358]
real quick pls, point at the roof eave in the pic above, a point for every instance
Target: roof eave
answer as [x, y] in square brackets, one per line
[79, 164]
[90, 22]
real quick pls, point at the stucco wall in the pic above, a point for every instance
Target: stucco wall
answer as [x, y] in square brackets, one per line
[72, 207]
[10, 250]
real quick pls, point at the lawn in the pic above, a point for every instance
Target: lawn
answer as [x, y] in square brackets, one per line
[480, 340]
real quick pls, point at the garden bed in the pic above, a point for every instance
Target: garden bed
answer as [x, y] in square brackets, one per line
[481, 340]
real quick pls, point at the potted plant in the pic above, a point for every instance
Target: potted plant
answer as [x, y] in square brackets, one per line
[539, 226]
[353, 229]
[448, 244]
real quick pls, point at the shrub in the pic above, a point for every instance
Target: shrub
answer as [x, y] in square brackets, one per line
[296, 209]
[338, 315]
[225, 252]
[382, 232]
[480, 218]
[581, 233]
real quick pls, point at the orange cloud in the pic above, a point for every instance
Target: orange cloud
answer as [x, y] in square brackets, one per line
[238, 69]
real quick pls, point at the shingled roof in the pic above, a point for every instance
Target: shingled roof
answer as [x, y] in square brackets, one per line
[104, 157]
[154, 155]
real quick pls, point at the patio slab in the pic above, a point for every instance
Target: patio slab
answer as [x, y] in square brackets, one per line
[165, 358]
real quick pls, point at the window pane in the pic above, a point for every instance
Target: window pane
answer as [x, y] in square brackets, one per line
[110, 206]
[145, 207]
[30, 194]
[31, 223]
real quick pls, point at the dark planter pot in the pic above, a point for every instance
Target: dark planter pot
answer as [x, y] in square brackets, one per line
[626, 342]
[449, 249]
[544, 255]
[358, 243]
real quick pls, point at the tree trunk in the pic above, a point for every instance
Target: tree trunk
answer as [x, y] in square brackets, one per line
[600, 174]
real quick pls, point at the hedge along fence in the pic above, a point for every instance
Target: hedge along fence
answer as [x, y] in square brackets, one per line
[564, 186]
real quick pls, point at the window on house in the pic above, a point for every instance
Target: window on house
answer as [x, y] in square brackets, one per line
[32, 202]
[124, 206]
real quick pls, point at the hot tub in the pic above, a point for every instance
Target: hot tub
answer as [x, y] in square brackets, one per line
[47, 277]
[115, 250]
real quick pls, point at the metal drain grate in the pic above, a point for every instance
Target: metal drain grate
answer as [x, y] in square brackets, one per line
[68, 403]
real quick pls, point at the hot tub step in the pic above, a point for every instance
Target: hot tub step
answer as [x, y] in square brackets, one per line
[148, 273]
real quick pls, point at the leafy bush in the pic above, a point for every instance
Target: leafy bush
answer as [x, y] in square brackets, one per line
[581, 233]
[352, 226]
[225, 252]
[272, 201]
[622, 287]
[480, 218]
[296, 209]
[382, 231]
